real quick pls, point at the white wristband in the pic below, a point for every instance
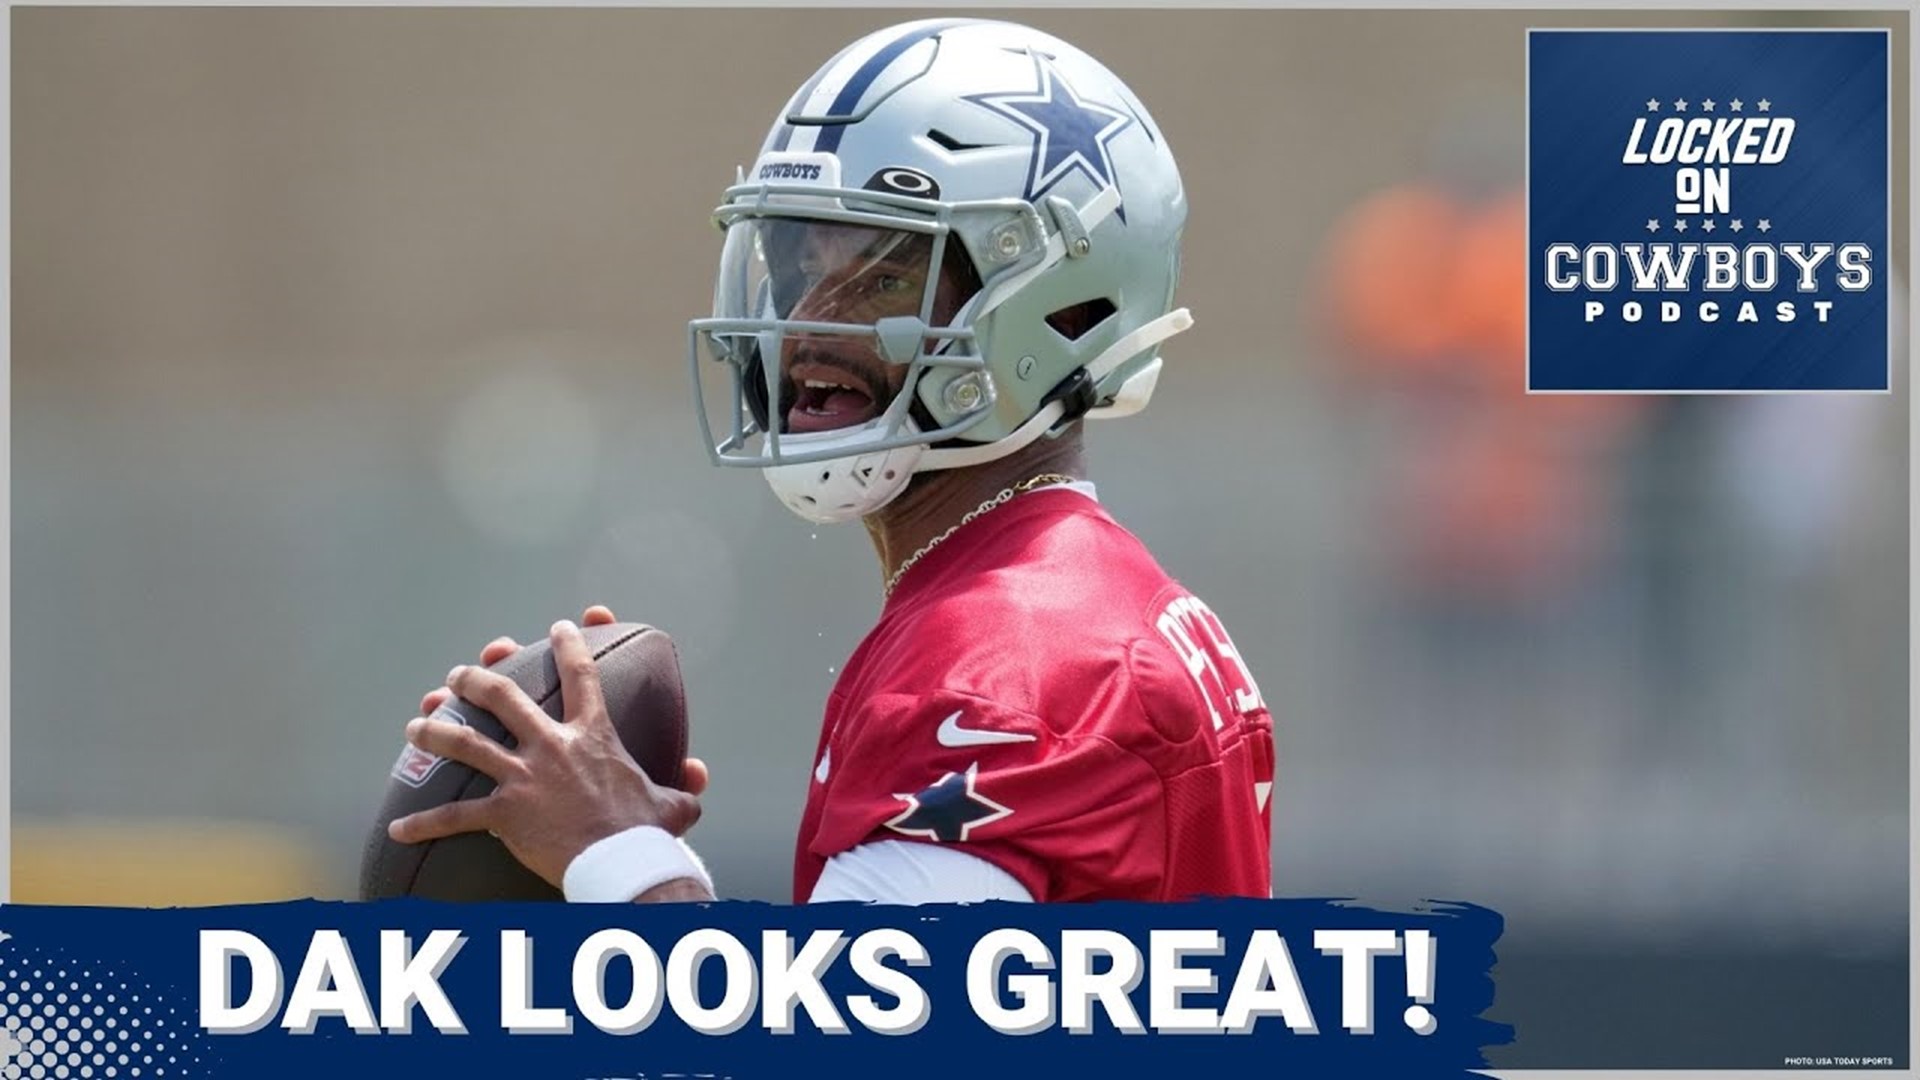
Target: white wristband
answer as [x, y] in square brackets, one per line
[620, 867]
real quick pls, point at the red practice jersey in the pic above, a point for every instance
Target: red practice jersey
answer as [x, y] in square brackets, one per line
[1040, 694]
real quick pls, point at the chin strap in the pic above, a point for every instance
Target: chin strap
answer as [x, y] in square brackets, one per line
[959, 457]
[1130, 397]
[1177, 321]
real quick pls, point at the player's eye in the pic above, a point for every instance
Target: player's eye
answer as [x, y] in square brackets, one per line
[892, 283]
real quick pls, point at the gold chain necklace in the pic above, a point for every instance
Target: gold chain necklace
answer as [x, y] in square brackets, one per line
[1006, 495]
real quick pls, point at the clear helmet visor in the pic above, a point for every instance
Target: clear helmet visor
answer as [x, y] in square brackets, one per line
[829, 327]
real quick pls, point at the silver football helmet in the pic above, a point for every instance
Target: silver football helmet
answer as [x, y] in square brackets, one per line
[960, 236]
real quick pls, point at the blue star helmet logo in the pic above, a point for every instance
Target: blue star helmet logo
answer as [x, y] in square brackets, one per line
[1071, 134]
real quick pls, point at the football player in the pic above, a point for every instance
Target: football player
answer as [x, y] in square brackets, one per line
[959, 243]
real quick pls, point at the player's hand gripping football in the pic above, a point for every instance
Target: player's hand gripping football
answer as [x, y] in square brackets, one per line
[694, 779]
[565, 785]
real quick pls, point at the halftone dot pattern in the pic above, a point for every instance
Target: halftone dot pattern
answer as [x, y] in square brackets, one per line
[62, 1021]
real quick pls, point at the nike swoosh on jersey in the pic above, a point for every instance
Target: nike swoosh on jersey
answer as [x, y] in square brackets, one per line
[826, 764]
[953, 735]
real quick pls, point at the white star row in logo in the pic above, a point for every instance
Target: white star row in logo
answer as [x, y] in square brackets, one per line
[1708, 104]
[1707, 225]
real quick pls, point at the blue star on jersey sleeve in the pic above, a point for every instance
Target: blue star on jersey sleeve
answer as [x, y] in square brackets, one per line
[949, 809]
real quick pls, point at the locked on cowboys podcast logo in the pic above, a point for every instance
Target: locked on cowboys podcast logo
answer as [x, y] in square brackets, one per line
[1707, 210]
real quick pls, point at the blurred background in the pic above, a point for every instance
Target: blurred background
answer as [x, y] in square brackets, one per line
[344, 340]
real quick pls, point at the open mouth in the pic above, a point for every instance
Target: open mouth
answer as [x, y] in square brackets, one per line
[827, 397]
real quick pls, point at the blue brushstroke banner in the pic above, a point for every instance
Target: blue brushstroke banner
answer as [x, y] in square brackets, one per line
[1295, 988]
[1708, 210]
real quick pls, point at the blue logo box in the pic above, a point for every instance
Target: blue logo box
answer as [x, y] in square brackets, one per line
[1707, 210]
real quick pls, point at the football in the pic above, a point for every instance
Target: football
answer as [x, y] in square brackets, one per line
[640, 680]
